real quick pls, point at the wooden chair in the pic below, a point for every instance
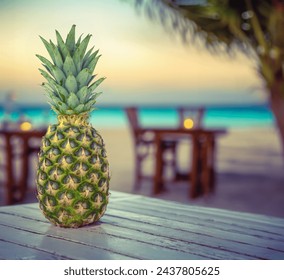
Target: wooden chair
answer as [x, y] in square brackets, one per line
[17, 144]
[144, 147]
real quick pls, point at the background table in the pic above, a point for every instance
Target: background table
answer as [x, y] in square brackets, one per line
[137, 227]
[201, 176]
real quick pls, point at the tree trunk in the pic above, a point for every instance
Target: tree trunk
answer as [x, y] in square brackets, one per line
[277, 107]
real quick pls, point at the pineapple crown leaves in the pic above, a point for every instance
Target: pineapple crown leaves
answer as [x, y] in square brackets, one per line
[70, 83]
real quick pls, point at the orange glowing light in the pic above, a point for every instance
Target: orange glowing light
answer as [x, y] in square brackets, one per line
[188, 123]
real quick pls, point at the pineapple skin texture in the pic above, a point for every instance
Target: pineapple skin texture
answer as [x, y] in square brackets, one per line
[73, 173]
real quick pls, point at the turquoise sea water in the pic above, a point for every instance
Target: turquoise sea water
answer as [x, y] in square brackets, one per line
[114, 117]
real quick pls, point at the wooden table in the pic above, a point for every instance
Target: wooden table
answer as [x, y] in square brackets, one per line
[10, 151]
[137, 227]
[202, 174]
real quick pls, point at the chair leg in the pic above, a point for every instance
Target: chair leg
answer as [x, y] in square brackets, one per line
[172, 150]
[138, 172]
[211, 159]
[23, 186]
[158, 176]
[208, 170]
[195, 175]
[9, 172]
[173, 162]
[205, 171]
[139, 176]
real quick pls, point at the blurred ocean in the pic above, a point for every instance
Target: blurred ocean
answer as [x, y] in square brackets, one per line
[114, 117]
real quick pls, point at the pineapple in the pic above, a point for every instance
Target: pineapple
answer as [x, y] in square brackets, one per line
[73, 170]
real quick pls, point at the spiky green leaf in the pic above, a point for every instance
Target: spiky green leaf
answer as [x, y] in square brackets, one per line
[78, 41]
[91, 78]
[88, 53]
[53, 86]
[79, 109]
[93, 63]
[82, 94]
[58, 74]
[56, 104]
[91, 105]
[96, 95]
[63, 107]
[69, 66]
[71, 84]
[73, 100]
[48, 89]
[70, 40]
[57, 55]
[55, 108]
[69, 112]
[55, 99]
[88, 106]
[61, 45]
[88, 57]
[48, 48]
[83, 77]
[92, 96]
[49, 79]
[45, 62]
[80, 52]
[93, 86]
[62, 92]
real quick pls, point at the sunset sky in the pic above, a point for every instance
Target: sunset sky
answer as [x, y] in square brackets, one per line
[142, 62]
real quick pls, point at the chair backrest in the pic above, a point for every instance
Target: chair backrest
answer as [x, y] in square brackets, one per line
[132, 115]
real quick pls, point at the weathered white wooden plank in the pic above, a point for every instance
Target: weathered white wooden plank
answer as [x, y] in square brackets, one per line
[122, 233]
[185, 208]
[60, 247]
[24, 211]
[204, 232]
[100, 238]
[198, 235]
[139, 248]
[195, 218]
[139, 227]
[11, 251]
[180, 240]
[237, 234]
[182, 208]
[156, 237]
[116, 195]
[189, 216]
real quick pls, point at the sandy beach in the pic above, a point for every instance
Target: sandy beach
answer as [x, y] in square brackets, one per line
[249, 164]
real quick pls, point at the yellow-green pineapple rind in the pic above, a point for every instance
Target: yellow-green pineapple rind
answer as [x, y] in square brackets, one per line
[73, 173]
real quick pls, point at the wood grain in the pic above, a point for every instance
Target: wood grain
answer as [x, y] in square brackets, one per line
[136, 227]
